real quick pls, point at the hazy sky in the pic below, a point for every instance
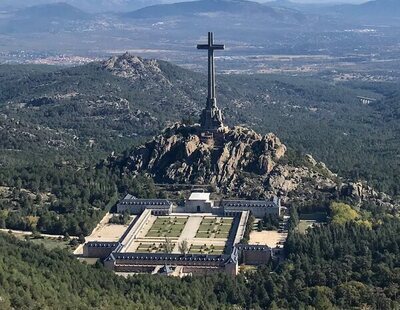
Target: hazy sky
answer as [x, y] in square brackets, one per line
[326, 1]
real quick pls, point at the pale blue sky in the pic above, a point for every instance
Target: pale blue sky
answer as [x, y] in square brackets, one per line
[324, 1]
[328, 1]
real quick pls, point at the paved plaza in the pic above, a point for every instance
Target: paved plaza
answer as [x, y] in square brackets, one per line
[269, 238]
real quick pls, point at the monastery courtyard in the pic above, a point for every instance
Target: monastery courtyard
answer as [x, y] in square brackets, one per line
[203, 233]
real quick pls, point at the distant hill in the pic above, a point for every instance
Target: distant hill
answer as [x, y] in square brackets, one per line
[237, 7]
[95, 6]
[372, 11]
[52, 11]
[52, 17]
[390, 8]
[91, 6]
[369, 11]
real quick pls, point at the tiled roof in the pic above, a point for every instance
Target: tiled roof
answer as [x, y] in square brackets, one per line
[171, 257]
[250, 247]
[146, 202]
[97, 244]
[249, 203]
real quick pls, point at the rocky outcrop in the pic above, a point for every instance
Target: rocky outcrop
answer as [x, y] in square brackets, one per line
[360, 192]
[239, 162]
[183, 155]
[136, 68]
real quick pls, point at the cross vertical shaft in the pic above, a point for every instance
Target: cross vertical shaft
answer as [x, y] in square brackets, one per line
[211, 71]
[211, 118]
[211, 47]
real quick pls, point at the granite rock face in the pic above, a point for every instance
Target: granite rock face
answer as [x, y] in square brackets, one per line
[182, 155]
[239, 162]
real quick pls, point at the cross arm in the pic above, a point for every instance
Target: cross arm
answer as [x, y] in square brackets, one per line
[212, 47]
[218, 47]
[203, 46]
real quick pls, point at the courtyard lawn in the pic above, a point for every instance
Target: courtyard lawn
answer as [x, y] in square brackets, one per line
[221, 235]
[224, 228]
[214, 227]
[151, 248]
[206, 249]
[170, 227]
[203, 234]
[226, 221]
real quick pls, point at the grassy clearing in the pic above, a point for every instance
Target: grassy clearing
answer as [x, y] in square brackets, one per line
[304, 225]
[48, 243]
[52, 244]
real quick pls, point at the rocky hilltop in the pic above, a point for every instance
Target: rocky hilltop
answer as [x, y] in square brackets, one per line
[181, 155]
[136, 68]
[238, 162]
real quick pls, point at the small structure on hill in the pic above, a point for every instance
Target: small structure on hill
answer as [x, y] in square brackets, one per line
[200, 203]
[366, 100]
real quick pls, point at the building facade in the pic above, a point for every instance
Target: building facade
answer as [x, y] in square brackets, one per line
[137, 206]
[258, 208]
[199, 203]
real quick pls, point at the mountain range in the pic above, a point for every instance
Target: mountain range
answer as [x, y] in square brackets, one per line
[237, 7]
[374, 10]
[254, 28]
[90, 6]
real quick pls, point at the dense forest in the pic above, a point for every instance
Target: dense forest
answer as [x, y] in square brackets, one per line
[77, 199]
[334, 266]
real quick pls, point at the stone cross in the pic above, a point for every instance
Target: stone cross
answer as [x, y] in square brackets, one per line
[211, 47]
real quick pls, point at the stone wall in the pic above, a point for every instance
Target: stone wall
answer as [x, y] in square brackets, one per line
[199, 206]
[254, 254]
[99, 249]
[133, 230]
